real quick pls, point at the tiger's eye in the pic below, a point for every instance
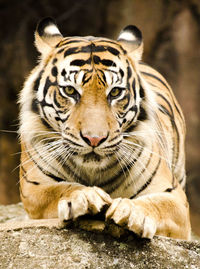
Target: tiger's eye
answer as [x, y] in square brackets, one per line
[70, 90]
[115, 92]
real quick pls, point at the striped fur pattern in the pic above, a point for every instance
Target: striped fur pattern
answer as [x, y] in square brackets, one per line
[100, 127]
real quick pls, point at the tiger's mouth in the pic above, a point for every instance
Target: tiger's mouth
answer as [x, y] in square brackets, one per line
[92, 157]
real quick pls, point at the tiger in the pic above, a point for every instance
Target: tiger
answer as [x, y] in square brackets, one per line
[101, 131]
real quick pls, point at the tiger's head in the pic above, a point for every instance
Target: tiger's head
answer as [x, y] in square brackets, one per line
[85, 93]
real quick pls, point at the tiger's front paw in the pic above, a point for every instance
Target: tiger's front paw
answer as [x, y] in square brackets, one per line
[125, 213]
[80, 202]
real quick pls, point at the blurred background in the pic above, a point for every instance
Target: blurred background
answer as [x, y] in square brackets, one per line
[171, 31]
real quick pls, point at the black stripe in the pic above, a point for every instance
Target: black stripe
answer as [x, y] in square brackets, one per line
[130, 128]
[181, 180]
[142, 92]
[147, 164]
[103, 75]
[74, 50]
[25, 177]
[127, 97]
[170, 114]
[55, 100]
[46, 124]
[123, 115]
[47, 85]
[115, 43]
[96, 59]
[86, 80]
[72, 135]
[142, 115]
[112, 50]
[121, 72]
[70, 51]
[80, 62]
[109, 41]
[170, 189]
[34, 106]
[157, 78]
[98, 48]
[54, 71]
[129, 72]
[177, 109]
[37, 81]
[60, 51]
[166, 101]
[101, 48]
[91, 48]
[43, 103]
[73, 143]
[149, 180]
[114, 138]
[63, 73]
[102, 81]
[114, 145]
[143, 170]
[107, 62]
[173, 186]
[54, 61]
[70, 42]
[58, 179]
[21, 193]
[87, 49]
[165, 111]
[174, 126]
[62, 120]
[134, 89]
[172, 119]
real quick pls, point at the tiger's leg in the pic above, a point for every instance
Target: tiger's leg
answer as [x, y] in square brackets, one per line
[158, 213]
[64, 200]
[43, 197]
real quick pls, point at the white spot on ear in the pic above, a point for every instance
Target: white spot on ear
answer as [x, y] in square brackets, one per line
[127, 36]
[52, 30]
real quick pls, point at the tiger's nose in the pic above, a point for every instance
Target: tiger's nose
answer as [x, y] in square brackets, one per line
[93, 140]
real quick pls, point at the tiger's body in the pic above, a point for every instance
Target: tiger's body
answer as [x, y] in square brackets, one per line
[98, 126]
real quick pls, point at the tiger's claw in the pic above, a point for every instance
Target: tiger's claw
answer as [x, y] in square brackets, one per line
[87, 200]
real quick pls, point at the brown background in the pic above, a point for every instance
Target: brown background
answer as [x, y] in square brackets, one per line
[171, 31]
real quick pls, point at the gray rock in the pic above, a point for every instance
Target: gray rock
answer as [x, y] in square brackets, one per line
[42, 244]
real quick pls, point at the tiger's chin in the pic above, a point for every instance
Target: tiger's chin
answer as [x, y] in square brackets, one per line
[92, 157]
[92, 160]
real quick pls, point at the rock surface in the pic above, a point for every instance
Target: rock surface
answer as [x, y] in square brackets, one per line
[42, 244]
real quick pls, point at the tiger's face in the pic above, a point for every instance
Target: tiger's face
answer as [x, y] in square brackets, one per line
[87, 99]
[87, 91]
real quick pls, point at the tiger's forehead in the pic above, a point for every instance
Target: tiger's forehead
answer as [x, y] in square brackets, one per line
[79, 58]
[90, 44]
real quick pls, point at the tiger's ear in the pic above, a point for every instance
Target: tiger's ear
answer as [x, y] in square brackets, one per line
[131, 40]
[47, 35]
